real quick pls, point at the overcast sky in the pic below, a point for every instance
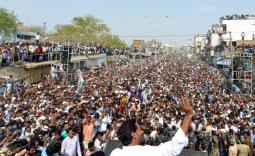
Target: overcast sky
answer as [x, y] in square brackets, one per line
[166, 20]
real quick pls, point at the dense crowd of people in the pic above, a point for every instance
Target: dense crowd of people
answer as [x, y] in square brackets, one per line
[53, 118]
[238, 17]
[38, 52]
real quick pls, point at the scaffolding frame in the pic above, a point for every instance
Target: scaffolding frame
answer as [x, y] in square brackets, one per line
[65, 66]
[244, 72]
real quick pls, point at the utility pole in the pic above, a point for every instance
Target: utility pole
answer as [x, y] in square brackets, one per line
[232, 60]
[44, 28]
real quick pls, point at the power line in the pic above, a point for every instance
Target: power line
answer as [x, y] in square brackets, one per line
[167, 35]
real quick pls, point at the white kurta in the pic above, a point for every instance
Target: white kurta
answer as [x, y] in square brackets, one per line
[71, 146]
[170, 148]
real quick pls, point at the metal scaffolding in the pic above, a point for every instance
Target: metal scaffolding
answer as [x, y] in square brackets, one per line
[242, 72]
[60, 66]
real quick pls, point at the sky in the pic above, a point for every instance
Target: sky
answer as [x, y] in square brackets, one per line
[169, 21]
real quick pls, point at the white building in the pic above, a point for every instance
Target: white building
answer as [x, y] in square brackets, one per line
[240, 29]
[235, 29]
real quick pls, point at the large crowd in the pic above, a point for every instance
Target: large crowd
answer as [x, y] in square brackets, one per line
[238, 17]
[53, 118]
[39, 51]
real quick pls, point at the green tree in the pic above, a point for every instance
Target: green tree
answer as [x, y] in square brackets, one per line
[7, 23]
[112, 41]
[87, 30]
[66, 33]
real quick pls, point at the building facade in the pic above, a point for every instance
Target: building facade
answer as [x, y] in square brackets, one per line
[199, 43]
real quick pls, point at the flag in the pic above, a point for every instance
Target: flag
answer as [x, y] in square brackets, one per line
[144, 99]
[2, 90]
[176, 101]
[53, 73]
[80, 84]
[122, 104]
[126, 100]
[148, 90]
[5, 93]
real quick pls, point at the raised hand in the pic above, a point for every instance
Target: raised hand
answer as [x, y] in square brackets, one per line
[188, 109]
[186, 106]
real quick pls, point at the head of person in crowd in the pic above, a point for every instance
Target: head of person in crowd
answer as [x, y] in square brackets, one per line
[71, 133]
[91, 147]
[130, 133]
[98, 153]
[31, 149]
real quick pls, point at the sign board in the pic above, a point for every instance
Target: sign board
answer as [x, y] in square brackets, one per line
[219, 29]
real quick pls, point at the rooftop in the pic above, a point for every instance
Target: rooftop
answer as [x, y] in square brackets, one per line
[238, 17]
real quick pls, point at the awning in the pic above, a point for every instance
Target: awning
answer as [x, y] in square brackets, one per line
[223, 61]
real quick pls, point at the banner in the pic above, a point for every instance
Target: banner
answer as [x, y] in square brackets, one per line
[80, 84]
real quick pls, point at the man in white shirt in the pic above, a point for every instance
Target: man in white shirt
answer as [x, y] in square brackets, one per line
[98, 143]
[71, 145]
[106, 120]
[131, 136]
[37, 37]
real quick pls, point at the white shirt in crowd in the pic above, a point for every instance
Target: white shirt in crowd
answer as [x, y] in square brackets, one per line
[170, 148]
[226, 128]
[195, 127]
[44, 49]
[172, 123]
[252, 137]
[104, 122]
[31, 48]
[98, 144]
[37, 37]
[71, 146]
[235, 129]
[161, 119]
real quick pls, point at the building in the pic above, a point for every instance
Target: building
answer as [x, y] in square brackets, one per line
[22, 35]
[232, 29]
[238, 29]
[137, 43]
[223, 39]
[199, 43]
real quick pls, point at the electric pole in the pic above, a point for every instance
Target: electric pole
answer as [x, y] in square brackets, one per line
[44, 28]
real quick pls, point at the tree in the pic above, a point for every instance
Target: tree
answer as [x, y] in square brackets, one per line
[67, 33]
[7, 23]
[117, 42]
[87, 30]
[112, 41]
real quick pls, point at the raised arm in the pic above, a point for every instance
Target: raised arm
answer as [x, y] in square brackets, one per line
[187, 108]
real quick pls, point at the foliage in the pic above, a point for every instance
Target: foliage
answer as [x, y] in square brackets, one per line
[112, 41]
[7, 23]
[88, 30]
